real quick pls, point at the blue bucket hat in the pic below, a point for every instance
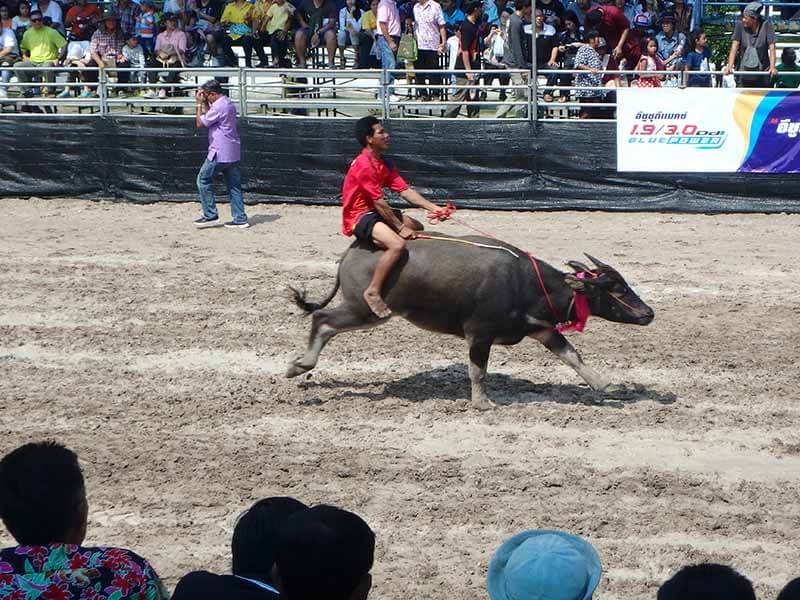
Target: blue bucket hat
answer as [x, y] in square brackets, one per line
[544, 565]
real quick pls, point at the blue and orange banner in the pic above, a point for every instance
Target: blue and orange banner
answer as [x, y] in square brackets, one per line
[697, 130]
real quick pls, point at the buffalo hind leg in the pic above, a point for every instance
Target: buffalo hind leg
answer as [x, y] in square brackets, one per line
[478, 359]
[325, 324]
[558, 345]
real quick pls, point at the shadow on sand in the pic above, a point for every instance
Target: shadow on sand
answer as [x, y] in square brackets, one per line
[452, 383]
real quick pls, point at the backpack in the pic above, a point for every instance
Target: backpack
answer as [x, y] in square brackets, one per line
[751, 57]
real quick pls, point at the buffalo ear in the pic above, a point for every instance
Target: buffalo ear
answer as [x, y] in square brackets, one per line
[578, 267]
[579, 285]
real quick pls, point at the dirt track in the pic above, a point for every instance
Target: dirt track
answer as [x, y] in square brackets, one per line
[157, 353]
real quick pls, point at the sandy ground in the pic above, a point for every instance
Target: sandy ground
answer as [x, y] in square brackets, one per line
[157, 353]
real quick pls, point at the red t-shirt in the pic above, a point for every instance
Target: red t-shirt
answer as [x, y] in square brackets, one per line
[613, 24]
[363, 185]
[81, 18]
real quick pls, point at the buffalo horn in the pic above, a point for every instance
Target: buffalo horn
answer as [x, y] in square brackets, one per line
[597, 263]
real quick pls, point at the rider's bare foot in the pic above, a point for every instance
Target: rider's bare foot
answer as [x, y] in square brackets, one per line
[376, 304]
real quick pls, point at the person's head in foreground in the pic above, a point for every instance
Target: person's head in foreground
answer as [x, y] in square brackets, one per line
[255, 536]
[324, 553]
[42, 495]
[212, 90]
[544, 565]
[791, 591]
[707, 582]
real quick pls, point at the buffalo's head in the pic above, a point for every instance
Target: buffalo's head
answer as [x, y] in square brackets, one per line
[609, 295]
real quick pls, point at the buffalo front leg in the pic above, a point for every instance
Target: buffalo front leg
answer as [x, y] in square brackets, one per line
[325, 324]
[558, 345]
[478, 359]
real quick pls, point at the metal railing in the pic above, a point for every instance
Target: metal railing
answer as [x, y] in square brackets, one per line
[157, 92]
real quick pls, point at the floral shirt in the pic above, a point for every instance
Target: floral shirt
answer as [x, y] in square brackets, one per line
[588, 56]
[70, 572]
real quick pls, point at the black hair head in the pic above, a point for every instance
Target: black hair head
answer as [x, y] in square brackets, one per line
[42, 493]
[363, 129]
[324, 552]
[256, 535]
[707, 581]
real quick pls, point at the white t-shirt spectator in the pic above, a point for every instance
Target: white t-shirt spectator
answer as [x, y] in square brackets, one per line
[18, 22]
[9, 40]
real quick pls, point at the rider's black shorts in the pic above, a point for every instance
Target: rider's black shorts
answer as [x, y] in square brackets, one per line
[365, 225]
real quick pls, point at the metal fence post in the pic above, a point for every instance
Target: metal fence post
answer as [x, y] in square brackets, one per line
[385, 91]
[102, 81]
[242, 92]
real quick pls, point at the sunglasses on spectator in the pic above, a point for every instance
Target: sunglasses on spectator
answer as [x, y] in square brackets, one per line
[35, 20]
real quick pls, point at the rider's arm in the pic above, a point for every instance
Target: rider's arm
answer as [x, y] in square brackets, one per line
[387, 214]
[412, 196]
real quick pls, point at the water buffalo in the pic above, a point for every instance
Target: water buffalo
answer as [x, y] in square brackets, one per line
[486, 295]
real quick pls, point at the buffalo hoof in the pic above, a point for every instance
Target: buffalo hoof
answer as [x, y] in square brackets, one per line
[296, 369]
[614, 388]
[483, 404]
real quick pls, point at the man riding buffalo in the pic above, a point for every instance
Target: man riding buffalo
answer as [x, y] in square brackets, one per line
[367, 215]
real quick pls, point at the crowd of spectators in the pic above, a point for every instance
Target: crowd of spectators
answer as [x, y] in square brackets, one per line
[423, 35]
[281, 548]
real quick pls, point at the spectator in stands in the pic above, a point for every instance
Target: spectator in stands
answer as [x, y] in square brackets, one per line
[183, 9]
[259, 20]
[147, 28]
[366, 38]
[5, 17]
[569, 41]
[44, 507]
[628, 8]
[495, 48]
[788, 70]
[170, 53]
[467, 60]
[77, 60]
[279, 18]
[235, 30]
[707, 582]
[388, 36]
[546, 51]
[515, 57]
[217, 113]
[349, 29]
[544, 564]
[588, 62]
[133, 53]
[431, 35]
[753, 47]
[611, 24]
[81, 20]
[683, 16]
[51, 9]
[671, 44]
[649, 61]
[552, 10]
[22, 21]
[579, 8]
[648, 15]
[41, 46]
[317, 20]
[127, 14]
[9, 54]
[697, 60]
[209, 13]
[255, 538]
[325, 552]
[453, 16]
[106, 50]
[791, 591]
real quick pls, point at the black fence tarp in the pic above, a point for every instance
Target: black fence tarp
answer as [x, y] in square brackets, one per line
[478, 164]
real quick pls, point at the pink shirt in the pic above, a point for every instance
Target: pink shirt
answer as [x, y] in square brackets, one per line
[428, 18]
[176, 39]
[388, 13]
[224, 144]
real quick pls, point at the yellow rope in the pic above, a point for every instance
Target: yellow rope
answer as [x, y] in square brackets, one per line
[426, 236]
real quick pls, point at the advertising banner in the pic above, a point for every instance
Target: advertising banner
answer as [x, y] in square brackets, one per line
[705, 130]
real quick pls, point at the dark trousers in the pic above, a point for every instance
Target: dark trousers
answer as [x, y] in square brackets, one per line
[428, 59]
[365, 59]
[278, 47]
[255, 42]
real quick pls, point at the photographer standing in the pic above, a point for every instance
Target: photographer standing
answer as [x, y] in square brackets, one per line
[217, 113]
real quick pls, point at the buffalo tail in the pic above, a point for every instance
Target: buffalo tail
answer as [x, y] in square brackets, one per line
[299, 296]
